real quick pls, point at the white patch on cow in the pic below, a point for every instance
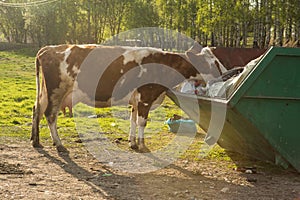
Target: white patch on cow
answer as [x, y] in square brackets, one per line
[76, 70]
[123, 81]
[84, 46]
[64, 66]
[141, 131]
[138, 54]
[142, 71]
[197, 77]
[88, 45]
[137, 96]
[54, 135]
[122, 71]
[65, 86]
[132, 132]
[141, 126]
[66, 55]
[146, 104]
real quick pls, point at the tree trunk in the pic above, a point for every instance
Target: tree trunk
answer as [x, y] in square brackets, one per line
[245, 34]
[89, 22]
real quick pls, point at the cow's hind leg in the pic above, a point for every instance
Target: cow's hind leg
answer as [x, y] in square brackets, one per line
[51, 114]
[132, 132]
[38, 111]
[52, 121]
[35, 139]
[141, 140]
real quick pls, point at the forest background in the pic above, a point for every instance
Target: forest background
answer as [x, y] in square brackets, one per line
[231, 23]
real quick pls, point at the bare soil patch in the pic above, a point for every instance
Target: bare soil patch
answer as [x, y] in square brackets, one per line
[28, 173]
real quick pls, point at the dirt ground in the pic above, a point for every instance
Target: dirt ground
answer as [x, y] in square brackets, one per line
[28, 173]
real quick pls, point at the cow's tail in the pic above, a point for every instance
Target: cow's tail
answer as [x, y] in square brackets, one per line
[38, 85]
[36, 108]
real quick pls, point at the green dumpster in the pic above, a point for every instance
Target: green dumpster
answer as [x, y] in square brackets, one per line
[262, 115]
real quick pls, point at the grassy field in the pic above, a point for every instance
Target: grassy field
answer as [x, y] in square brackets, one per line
[17, 96]
[17, 91]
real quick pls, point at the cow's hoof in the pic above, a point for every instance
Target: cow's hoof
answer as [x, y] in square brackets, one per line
[133, 146]
[144, 149]
[36, 144]
[62, 149]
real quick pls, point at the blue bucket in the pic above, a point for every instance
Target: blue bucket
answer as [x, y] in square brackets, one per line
[181, 126]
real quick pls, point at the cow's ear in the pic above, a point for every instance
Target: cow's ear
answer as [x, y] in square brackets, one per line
[196, 48]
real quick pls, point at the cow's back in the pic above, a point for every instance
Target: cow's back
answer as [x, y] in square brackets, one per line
[236, 57]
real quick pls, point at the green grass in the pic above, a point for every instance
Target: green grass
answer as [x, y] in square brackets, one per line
[17, 96]
[17, 91]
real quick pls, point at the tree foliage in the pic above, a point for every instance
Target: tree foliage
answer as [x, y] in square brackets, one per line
[258, 23]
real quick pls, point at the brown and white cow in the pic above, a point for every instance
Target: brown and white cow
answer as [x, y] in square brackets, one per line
[94, 73]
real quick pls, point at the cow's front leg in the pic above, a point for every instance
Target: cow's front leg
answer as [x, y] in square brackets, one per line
[132, 132]
[141, 139]
[143, 110]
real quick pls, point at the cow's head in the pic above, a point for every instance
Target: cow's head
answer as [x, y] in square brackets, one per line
[205, 61]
